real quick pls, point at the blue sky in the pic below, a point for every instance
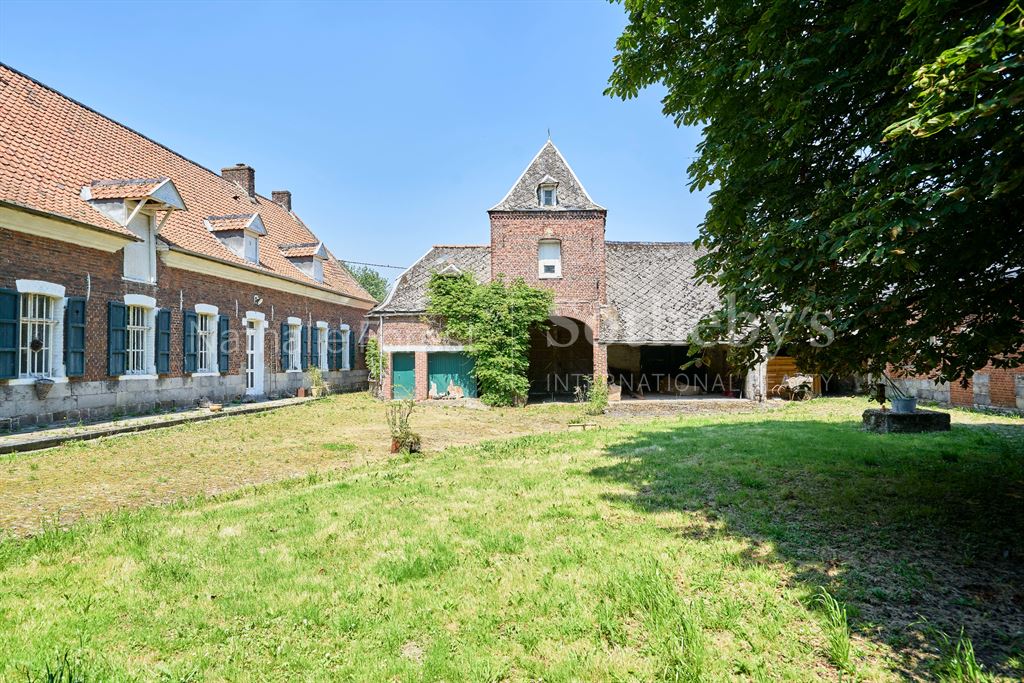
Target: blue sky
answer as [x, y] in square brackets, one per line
[395, 125]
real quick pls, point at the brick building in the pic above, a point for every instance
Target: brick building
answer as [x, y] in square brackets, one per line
[621, 309]
[133, 279]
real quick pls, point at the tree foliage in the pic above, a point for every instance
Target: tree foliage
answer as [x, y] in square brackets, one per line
[370, 280]
[865, 159]
[494, 320]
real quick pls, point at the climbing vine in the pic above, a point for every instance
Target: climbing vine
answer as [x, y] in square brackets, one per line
[494, 320]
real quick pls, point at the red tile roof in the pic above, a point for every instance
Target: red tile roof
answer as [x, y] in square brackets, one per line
[300, 250]
[51, 147]
[124, 189]
[236, 221]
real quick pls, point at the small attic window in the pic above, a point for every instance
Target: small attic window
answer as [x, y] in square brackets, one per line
[548, 195]
[252, 248]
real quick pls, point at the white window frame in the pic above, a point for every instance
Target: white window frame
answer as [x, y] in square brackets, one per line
[148, 241]
[37, 321]
[543, 263]
[54, 292]
[346, 354]
[553, 189]
[147, 328]
[207, 340]
[323, 344]
[295, 352]
[253, 239]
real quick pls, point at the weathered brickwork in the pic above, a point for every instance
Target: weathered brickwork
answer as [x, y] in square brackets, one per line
[990, 387]
[97, 275]
[581, 290]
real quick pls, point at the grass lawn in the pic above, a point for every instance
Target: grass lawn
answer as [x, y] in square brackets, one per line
[86, 478]
[688, 548]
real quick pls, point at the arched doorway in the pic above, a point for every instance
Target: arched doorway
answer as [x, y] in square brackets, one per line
[561, 355]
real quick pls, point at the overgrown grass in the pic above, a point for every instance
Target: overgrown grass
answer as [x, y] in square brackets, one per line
[837, 631]
[686, 549]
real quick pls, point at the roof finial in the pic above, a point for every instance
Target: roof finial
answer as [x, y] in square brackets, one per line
[549, 134]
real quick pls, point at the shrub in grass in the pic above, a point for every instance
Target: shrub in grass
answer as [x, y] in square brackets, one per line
[403, 439]
[837, 630]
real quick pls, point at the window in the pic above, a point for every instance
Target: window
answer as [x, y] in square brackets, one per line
[346, 351]
[37, 334]
[547, 195]
[295, 352]
[322, 343]
[251, 249]
[549, 259]
[140, 257]
[206, 343]
[137, 341]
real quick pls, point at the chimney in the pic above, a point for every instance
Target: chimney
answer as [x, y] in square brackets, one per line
[282, 197]
[242, 175]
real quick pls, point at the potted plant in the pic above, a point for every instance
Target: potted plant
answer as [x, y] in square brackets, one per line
[43, 386]
[317, 386]
[403, 439]
[902, 402]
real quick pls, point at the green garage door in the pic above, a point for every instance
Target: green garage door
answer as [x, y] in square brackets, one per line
[403, 375]
[444, 369]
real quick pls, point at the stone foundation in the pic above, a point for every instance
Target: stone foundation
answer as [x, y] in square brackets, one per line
[77, 401]
[888, 422]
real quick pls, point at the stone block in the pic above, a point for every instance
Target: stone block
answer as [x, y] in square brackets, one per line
[888, 422]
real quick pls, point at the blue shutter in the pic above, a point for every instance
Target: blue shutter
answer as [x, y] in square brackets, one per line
[351, 350]
[304, 350]
[163, 341]
[74, 336]
[286, 346]
[314, 348]
[190, 330]
[9, 313]
[223, 358]
[117, 333]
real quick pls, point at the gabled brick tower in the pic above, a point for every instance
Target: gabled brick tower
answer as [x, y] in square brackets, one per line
[548, 231]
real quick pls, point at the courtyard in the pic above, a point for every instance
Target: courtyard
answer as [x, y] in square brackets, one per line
[691, 546]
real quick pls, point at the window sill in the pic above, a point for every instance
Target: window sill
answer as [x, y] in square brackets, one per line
[124, 377]
[211, 373]
[549, 277]
[22, 381]
[137, 281]
[293, 372]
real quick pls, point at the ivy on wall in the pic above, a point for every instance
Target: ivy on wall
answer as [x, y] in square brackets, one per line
[494, 320]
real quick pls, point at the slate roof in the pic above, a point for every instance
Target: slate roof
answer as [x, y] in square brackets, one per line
[51, 147]
[653, 294]
[409, 293]
[548, 165]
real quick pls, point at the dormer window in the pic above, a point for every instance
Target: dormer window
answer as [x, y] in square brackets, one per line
[142, 205]
[239, 232]
[308, 257]
[547, 192]
[548, 195]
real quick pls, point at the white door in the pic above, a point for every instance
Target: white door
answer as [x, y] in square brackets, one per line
[254, 358]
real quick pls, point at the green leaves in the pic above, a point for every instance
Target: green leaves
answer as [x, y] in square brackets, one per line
[866, 161]
[494, 320]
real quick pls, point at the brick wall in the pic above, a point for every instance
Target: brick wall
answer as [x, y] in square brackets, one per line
[581, 290]
[98, 275]
[991, 387]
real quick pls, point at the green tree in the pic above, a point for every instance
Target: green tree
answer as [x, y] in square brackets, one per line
[370, 280]
[865, 159]
[494, 320]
